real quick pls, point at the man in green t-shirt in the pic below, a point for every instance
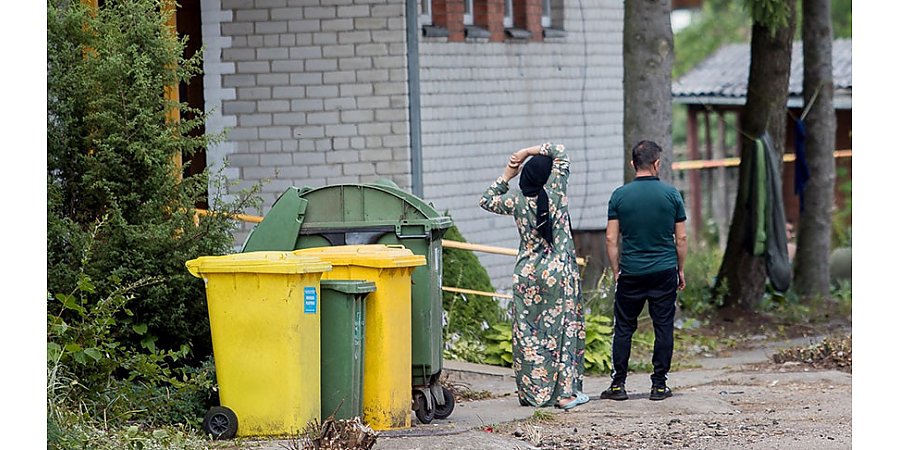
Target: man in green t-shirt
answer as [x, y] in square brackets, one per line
[650, 267]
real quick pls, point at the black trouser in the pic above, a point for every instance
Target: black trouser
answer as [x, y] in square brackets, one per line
[659, 290]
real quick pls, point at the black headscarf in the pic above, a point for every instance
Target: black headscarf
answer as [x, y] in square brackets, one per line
[534, 176]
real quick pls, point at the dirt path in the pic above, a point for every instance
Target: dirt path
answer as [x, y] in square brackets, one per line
[738, 400]
[762, 409]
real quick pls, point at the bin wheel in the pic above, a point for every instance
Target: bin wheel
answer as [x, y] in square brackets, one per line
[220, 422]
[444, 411]
[424, 415]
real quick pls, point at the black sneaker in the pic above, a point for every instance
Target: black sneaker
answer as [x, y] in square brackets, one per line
[660, 392]
[615, 392]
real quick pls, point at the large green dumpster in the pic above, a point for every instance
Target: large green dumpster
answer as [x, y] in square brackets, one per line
[343, 346]
[374, 213]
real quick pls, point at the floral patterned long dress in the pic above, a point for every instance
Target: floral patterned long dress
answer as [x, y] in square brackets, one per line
[548, 316]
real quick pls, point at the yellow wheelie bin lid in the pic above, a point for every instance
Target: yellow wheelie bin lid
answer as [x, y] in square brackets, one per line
[257, 262]
[370, 255]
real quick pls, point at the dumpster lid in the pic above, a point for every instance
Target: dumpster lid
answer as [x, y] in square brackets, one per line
[372, 255]
[367, 204]
[257, 262]
[349, 286]
[438, 220]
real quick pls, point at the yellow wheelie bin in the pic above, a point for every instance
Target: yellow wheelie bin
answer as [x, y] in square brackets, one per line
[387, 381]
[264, 319]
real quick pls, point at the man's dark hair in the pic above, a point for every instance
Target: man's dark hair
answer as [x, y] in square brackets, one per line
[644, 154]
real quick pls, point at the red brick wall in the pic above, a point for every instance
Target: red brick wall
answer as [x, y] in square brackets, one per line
[527, 15]
[449, 14]
[489, 15]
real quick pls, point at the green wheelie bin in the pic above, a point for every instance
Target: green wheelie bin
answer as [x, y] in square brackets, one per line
[343, 332]
[375, 213]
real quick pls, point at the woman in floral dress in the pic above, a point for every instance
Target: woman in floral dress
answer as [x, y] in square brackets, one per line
[548, 319]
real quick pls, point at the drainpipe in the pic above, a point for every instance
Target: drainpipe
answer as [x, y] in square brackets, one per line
[415, 109]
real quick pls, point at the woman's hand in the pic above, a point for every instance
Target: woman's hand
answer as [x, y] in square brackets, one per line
[512, 168]
[520, 156]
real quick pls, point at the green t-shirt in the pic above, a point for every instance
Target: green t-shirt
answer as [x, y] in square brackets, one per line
[647, 210]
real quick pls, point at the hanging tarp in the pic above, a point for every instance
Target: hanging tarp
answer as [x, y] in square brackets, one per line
[766, 235]
[778, 263]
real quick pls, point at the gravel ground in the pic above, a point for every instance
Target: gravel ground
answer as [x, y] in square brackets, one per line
[763, 407]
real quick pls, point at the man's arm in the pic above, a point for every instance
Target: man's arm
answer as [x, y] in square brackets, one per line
[681, 246]
[612, 246]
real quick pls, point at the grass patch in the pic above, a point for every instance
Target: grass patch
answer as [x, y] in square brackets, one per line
[542, 416]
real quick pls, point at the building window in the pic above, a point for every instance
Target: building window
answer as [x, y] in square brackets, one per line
[468, 12]
[425, 14]
[508, 14]
[546, 19]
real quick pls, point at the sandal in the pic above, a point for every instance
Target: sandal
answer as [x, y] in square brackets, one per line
[580, 399]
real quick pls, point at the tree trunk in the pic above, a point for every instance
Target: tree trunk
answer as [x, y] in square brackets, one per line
[742, 277]
[811, 271]
[648, 57]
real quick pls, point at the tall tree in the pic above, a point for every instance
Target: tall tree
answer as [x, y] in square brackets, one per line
[648, 58]
[742, 276]
[811, 271]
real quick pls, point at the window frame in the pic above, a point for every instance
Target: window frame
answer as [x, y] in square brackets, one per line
[546, 13]
[508, 6]
[425, 13]
[468, 12]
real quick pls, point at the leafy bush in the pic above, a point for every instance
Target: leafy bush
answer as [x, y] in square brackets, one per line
[128, 339]
[498, 350]
[467, 316]
[92, 374]
[842, 235]
[597, 352]
[700, 269]
[109, 157]
[601, 297]
[598, 344]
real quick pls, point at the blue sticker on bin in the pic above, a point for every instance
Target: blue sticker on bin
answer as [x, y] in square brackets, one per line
[309, 300]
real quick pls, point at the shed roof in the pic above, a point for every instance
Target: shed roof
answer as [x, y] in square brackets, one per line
[722, 78]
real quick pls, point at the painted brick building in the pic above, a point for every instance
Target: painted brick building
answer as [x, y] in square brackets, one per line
[315, 92]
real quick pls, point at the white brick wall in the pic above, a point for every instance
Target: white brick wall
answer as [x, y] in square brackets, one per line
[214, 93]
[481, 101]
[306, 90]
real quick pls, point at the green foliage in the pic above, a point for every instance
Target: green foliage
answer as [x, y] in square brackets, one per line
[701, 267]
[109, 157]
[79, 434]
[772, 14]
[841, 228]
[128, 339]
[498, 349]
[597, 344]
[93, 374]
[842, 293]
[720, 22]
[597, 353]
[600, 298]
[457, 348]
[842, 18]
[467, 316]
[542, 416]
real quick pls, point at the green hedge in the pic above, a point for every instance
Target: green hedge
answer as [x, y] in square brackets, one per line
[467, 317]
